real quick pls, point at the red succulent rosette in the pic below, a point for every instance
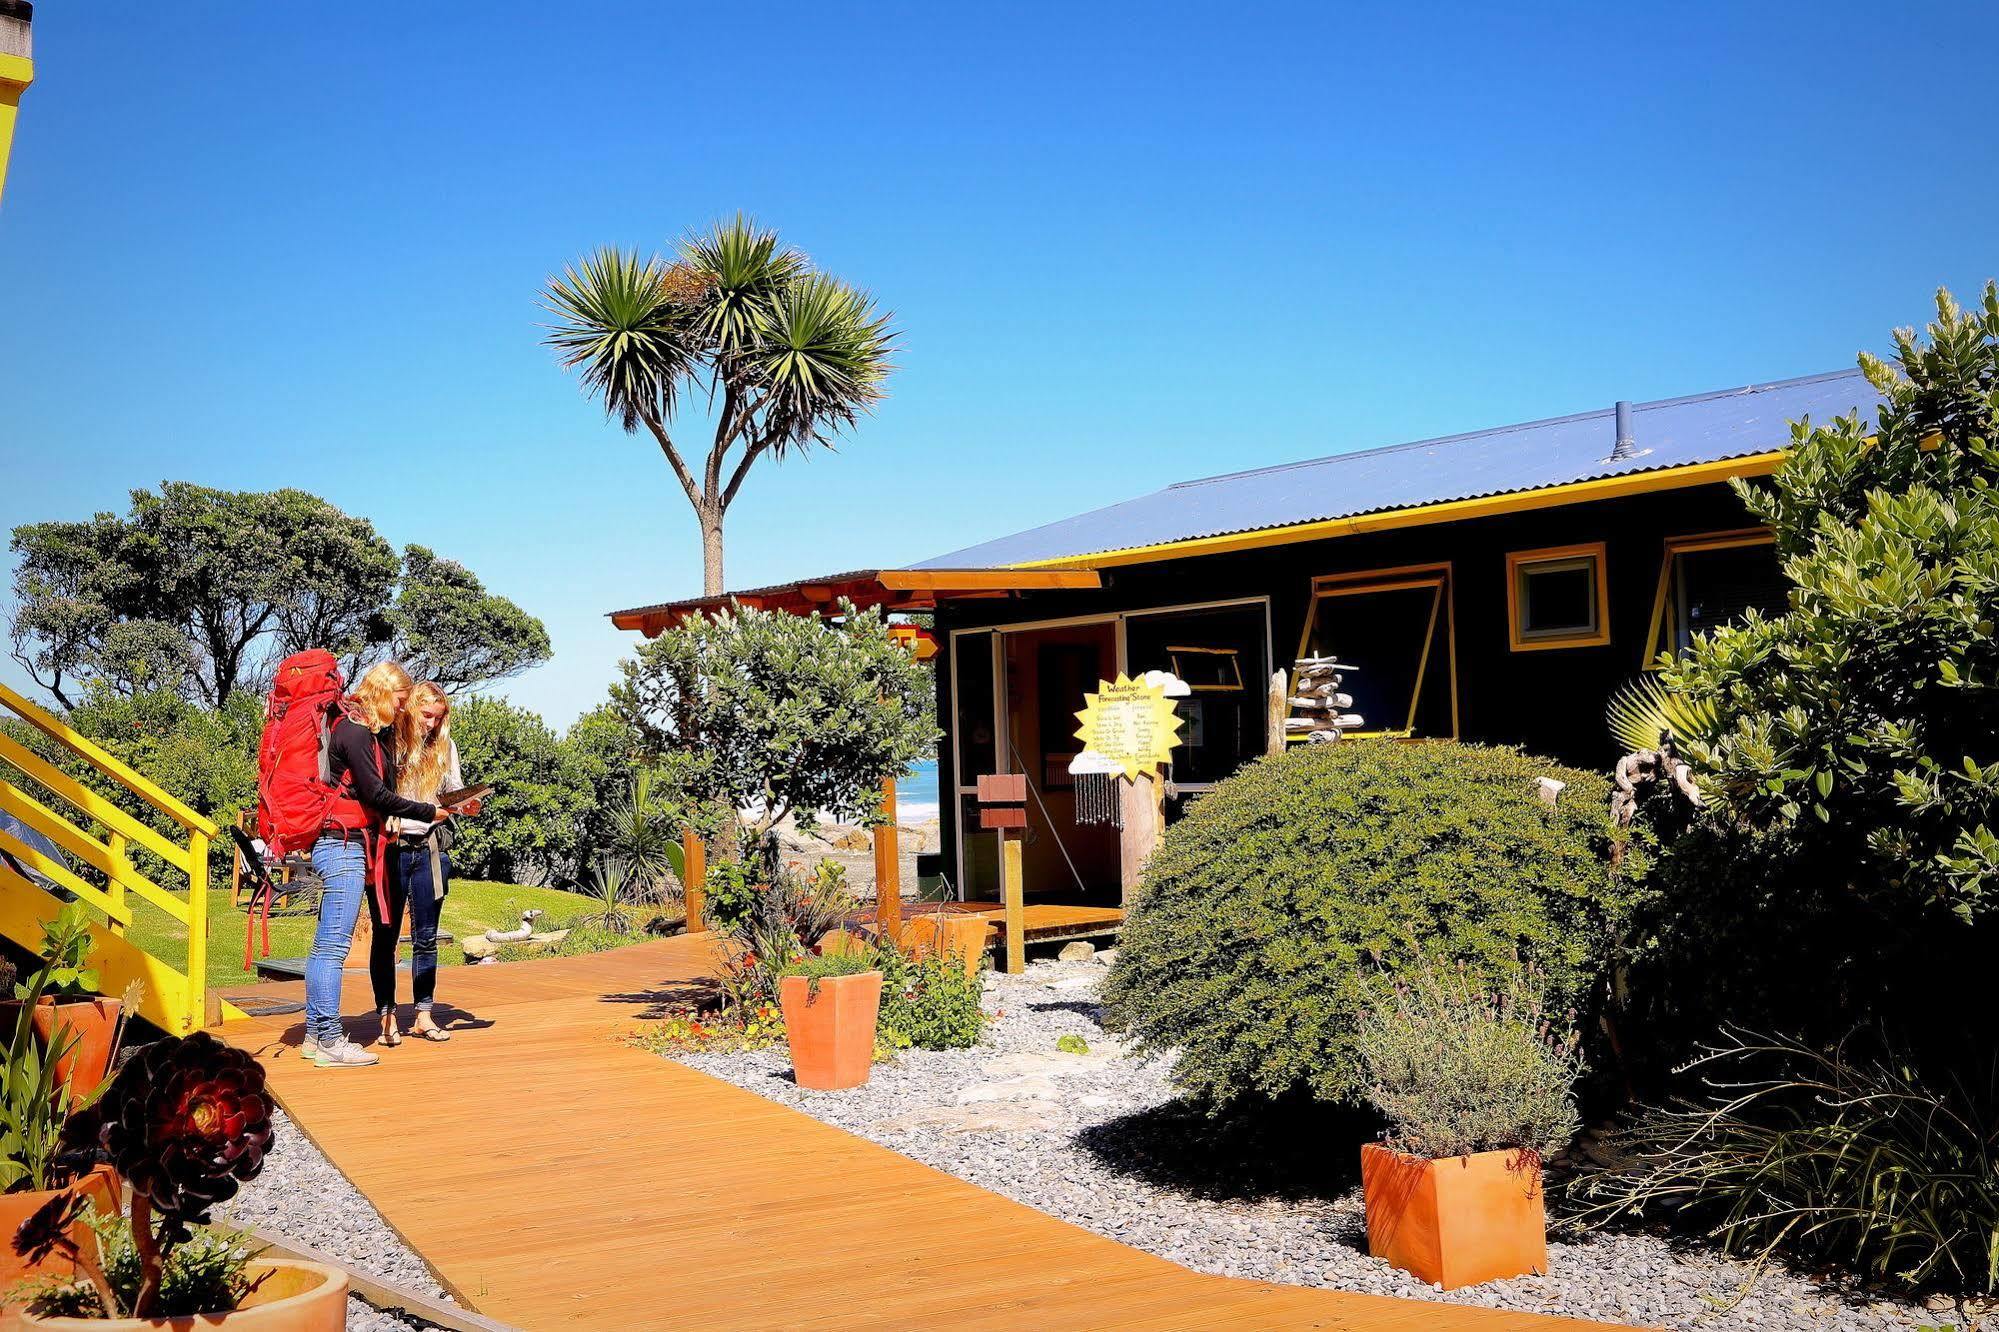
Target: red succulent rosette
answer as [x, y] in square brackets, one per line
[186, 1123]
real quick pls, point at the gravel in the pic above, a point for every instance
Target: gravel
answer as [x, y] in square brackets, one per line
[302, 1196]
[1101, 1142]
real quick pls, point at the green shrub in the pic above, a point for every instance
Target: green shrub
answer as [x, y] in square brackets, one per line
[1824, 1156]
[1072, 1045]
[1268, 911]
[932, 1000]
[1456, 1069]
[731, 890]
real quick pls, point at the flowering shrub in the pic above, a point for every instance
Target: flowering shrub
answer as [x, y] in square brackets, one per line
[931, 1001]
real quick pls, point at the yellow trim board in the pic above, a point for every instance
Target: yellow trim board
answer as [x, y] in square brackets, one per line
[1449, 511]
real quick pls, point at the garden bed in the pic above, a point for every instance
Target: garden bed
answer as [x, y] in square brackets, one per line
[1101, 1141]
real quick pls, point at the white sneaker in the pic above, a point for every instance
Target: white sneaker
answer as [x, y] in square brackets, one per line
[309, 1048]
[343, 1054]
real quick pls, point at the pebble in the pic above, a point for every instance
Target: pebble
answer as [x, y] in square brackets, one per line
[302, 1196]
[1108, 1150]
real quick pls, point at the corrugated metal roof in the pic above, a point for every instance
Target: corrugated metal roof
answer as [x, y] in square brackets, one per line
[1675, 432]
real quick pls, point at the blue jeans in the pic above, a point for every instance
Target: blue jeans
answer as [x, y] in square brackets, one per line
[343, 865]
[410, 883]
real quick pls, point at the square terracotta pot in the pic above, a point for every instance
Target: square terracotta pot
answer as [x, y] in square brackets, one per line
[831, 1032]
[1456, 1221]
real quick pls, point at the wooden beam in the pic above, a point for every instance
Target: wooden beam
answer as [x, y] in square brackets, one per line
[693, 877]
[1014, 899]
[888, 867]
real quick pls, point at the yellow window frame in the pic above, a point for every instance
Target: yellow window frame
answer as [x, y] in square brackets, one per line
[1404, 577]
[1517, 562]
[1689, 544]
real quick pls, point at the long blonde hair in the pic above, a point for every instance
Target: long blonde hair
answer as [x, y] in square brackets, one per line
[423, 757]
[376, 692]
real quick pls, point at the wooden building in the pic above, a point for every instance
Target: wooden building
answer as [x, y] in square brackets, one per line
[1494, 586]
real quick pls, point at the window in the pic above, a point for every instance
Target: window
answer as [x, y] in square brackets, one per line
[1395, 627]
[1557, 598]
[1223, 654]
[1710, 580]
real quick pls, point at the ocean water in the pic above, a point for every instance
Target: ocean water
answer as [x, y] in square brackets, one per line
[917, 796]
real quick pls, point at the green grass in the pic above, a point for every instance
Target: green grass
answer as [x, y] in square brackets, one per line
[471, 907]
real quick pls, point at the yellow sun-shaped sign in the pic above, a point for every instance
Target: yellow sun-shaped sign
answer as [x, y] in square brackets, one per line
[1130, 723]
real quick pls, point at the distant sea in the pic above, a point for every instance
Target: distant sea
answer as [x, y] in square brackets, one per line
[916, 796]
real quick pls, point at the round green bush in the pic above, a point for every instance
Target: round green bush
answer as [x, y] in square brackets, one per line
[1271, 914]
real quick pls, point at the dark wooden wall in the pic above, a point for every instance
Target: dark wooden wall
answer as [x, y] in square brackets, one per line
[1550, 702]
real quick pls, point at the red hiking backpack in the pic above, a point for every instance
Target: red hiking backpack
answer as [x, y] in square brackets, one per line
[295, 787]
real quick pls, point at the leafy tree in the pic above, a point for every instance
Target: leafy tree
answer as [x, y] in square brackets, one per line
[527, 831]
[780, 714]
[200, 591]
[1866, 716]
[784, 356]
[450, 630]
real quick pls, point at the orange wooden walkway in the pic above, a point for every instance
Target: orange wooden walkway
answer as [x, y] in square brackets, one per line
[555, 1178]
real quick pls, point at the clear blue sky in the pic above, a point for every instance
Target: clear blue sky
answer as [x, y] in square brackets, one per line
[256, 245]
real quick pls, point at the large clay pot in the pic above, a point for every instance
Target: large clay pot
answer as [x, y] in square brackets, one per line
[1458, 1220]
[101, 1185]
[292, 1297]
[94, 1023]
[831, 1032]
[951, 934]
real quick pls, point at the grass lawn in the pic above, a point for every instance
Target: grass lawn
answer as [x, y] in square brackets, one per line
[471, 907]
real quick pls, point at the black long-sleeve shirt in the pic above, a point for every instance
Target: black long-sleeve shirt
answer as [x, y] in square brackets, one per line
[352, 749]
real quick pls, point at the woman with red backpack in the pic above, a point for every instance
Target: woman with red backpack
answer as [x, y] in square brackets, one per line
[351, 851]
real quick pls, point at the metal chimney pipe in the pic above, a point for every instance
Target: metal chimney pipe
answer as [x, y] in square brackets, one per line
[1625, 446]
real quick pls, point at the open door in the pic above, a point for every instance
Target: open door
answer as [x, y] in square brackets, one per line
[1047, 672]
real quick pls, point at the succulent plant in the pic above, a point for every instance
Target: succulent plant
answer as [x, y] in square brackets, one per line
[187, 1123]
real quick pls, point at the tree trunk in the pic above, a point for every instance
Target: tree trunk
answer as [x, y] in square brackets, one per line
[711, 555]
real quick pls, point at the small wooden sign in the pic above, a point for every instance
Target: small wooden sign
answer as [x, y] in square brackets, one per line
[994, 818]
[1003, 788]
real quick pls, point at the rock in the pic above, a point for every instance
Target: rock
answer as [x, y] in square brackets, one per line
[1073, 983]
[852, 839]
[1106, 957]
[1027, 1087]
[480, 948]
[1027, 1065]
[1026, 1117]
[1079, 950]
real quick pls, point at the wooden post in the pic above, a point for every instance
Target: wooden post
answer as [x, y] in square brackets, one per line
[693, 878]
[1279, 705]
[888, 867]
[196, 1016]
[1013, 895]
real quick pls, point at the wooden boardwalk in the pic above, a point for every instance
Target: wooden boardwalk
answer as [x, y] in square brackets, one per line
[556, 1178]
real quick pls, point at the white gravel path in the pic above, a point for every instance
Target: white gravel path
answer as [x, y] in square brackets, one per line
[1100, 1142]
[302, 1196]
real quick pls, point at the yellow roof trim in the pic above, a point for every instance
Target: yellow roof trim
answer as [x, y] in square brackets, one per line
[1450, 511]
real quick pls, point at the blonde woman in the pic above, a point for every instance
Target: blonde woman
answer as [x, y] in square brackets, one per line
[420, 864]
[351, 854]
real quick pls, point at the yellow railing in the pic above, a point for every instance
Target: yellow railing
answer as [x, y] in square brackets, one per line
[175, 1000]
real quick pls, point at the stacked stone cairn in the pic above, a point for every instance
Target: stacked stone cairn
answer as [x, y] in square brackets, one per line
[1318, 708]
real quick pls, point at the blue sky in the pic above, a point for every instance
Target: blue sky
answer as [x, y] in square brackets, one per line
[261, 245]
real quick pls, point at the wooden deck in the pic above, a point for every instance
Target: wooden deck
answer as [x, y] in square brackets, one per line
[1043, 922]
[556, 1178]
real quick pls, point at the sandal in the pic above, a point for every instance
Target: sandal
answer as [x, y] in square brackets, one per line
[391, 1036]
[427, 1028]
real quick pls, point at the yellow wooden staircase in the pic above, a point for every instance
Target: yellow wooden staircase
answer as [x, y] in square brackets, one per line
[100, 835]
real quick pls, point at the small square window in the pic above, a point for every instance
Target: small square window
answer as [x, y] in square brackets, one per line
[1557, 598]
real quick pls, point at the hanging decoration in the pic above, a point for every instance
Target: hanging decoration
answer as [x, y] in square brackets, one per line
[1128, 727]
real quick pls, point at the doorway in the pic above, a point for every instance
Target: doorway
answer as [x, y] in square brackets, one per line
[1047, 672]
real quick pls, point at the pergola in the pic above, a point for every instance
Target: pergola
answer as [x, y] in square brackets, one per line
[890, 590]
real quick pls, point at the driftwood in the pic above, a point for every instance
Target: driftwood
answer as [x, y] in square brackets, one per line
[1315, 701]
[1274, 711]
[1638, 774]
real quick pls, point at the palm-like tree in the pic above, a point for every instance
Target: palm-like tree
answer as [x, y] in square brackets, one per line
[784, 355]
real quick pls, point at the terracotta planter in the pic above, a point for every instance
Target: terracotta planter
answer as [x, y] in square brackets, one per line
[293, 1297]
[100, 1184]
[94, 1022]
[1456, 1221]
[953, 935]
[832, 1033]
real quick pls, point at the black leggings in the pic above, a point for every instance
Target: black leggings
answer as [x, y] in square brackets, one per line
[409, 884]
